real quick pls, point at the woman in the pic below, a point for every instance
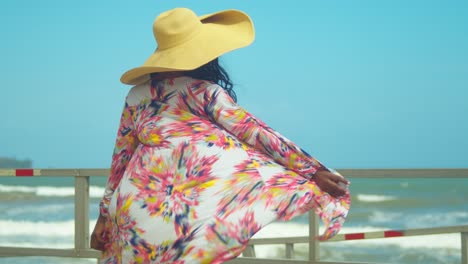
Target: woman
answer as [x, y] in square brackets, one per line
[194, 176]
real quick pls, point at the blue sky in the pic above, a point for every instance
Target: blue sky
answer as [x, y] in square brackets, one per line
[358, 84]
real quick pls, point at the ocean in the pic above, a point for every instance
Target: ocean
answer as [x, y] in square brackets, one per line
[38, 212]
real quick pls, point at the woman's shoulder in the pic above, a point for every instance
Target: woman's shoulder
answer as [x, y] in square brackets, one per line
[194, 86]
[138, 93]
[144, 91]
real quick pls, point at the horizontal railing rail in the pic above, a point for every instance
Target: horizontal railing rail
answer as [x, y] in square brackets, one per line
[48, 252]
[364, 235]
[349, 173]
[81, 247]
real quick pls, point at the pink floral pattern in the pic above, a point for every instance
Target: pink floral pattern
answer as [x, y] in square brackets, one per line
[194, 176]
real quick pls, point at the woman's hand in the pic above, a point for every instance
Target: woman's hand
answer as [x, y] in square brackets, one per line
[99, 236]
[331, 183]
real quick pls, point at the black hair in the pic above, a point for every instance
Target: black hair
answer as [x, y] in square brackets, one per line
[214, 72]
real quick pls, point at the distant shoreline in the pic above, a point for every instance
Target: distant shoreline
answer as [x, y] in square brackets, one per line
[7, 162]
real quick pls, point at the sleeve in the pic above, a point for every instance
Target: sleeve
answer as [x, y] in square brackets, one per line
[125, 146]
[222, 109]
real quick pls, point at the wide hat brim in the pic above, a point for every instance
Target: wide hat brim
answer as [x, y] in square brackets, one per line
[220, 33]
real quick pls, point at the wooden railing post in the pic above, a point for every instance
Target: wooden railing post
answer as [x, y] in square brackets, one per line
[81, 213]
[249, 251]
[314, 246]
[464, 247]
[289, 250]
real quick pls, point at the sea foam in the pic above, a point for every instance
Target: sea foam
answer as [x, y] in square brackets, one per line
[94, 191]
[37, 229]
[374, 198]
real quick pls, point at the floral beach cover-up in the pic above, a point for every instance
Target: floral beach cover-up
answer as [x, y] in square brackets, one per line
[194, 176]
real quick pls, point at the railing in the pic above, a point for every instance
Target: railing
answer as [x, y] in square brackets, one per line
[81, 247]
[81, 244]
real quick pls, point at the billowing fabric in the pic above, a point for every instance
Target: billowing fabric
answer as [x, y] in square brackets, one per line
[194, 177]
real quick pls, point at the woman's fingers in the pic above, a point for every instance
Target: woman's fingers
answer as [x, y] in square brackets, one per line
[333, 184]
[335, 189]
[96, 244]
[338, 178]
[99, 235]
[331, 187]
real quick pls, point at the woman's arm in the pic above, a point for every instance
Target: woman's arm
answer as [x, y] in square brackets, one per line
[125, 145]
[226, 113]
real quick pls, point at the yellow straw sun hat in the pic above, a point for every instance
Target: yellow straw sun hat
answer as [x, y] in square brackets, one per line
[186, 42]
